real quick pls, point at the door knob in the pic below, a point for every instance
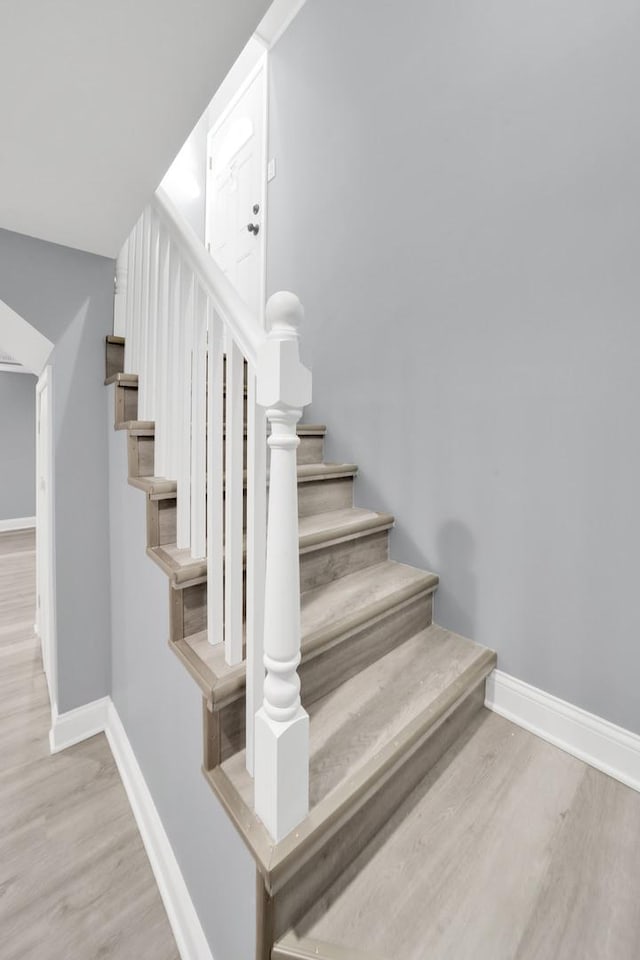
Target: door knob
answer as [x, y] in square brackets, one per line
[253, 228]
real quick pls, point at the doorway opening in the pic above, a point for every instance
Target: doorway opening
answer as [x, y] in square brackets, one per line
[45, 557]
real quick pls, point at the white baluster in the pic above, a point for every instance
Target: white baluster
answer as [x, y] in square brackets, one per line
[120, 295]
[162, 431]
[256, 560]
[130, 301]
[282, 725]
[137, 300]
[234, 503]
[215, 488]
[152, 332]
[143, 358]
[173, 370]
[199, 427]
[183, 507]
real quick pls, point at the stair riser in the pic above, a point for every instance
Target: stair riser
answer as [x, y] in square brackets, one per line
[318, 567]
[322, 674]
[188, 611]
[224, 732]
[294, 899]
[311, 449]
[161, 521]
[322, 496]
[141, 456]
[126, 404]
[114, 356]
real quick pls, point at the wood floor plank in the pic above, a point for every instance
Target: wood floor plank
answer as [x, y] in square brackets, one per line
[510, 850]
[75, 881]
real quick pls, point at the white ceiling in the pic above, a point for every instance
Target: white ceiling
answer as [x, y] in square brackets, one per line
[96, 99]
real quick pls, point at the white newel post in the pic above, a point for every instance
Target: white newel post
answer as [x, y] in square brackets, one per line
[282, 724]
[120, 297]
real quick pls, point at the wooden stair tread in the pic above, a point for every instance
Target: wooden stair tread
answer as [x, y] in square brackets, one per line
[123, 380]
[362, 774]
[155, 487]
[328, 614]
[178, 564]
[149, 427]
[316, 532]
[138, 428]
[160, 486]
[325, 528]
[359, 719]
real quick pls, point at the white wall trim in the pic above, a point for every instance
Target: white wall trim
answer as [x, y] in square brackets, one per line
[101, 715]
[19, 523]
[183, 918]
[76, 725]
[611, 749]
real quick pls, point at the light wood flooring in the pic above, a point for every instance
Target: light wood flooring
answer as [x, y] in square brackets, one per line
[75, 882]
[508, 850]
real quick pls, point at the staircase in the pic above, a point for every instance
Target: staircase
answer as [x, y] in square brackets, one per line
[387, 690]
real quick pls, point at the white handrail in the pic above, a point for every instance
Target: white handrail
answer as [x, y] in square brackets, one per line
[236, 314]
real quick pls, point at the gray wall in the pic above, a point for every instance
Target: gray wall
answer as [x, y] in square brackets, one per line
[68, 296]
[161, 709]
[456, 204]
[17, 445]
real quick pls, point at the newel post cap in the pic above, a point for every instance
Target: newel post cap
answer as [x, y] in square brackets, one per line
[284, 315]
[283, 381]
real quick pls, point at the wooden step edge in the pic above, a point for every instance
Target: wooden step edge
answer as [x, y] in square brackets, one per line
[129, 380]
[197, 669]
[278, 863]
[183, 574]
[158, 488]
[138, 427]
[341, 533]
[325, 471]
[111, 338]
[311, 430]
[292, 947]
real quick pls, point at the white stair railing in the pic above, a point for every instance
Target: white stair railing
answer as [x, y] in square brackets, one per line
[190, 338]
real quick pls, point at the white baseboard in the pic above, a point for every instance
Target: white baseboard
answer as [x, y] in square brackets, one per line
[79, 724]
[102, 716]
[611, 749]
[190, 938]
[19, 523]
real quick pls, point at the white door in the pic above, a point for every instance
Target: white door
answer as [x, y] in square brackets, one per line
[236, 191]
[45, 610]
